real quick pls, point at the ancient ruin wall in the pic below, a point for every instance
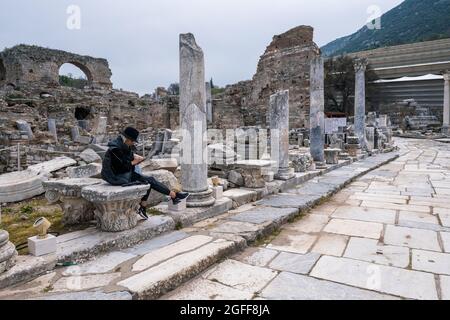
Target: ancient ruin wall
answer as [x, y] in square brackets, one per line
[24, 64]
[285, 65]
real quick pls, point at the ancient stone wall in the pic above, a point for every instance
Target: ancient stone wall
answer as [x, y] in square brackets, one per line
[30, 93]
[24, 64]
[285, 65]
[228, 106]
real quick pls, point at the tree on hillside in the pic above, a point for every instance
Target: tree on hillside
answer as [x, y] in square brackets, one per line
[70, 81]
[340, 84]
[174, 89]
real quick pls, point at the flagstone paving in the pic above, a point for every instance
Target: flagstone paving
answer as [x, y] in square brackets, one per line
[385, 235]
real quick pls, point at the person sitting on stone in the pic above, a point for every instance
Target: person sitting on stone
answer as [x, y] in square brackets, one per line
[119, 169]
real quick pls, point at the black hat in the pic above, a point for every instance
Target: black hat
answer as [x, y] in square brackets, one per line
[131, 133]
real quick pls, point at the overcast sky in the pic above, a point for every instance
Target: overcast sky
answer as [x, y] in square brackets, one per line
[140, 37]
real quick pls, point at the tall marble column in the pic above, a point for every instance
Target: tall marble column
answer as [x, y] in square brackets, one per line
[194, 166]
[360, 101]
[279, 133]
[446, 126]
[8, 252]
[317, 115]
[209, 115]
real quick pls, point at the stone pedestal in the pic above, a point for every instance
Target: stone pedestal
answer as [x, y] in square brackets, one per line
[360, 101]
[41, 247]
[254, 172]
[317, 116]
[332, 156]
[446, 126]
[353, 147]
[279, 134]
[194, 166]
[75, 133]
[115, 207]
[8, 252]
[67, 193]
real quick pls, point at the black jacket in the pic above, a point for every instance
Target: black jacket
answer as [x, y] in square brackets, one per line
[117, 168]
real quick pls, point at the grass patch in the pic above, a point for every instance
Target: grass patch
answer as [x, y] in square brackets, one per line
[18, 220]
[179, 226]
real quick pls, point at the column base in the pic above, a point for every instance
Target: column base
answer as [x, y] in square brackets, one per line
[201, 199]
[8, 252]
[320, 165]
[285, 174]
[446, 130]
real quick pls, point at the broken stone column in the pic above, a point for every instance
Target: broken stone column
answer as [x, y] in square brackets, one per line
[100, 130]
[75, 133]
[25, 129]
[382, 121]
[446, 127]
[209, 115]
[52, 128]
[370, 140]
[194, 166]
[115, 207]
[279, 132]
[317, 116]
[360, 101]
[332, 156]
[8, 252]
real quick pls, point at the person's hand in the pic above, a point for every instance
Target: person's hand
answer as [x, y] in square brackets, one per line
[137, 159]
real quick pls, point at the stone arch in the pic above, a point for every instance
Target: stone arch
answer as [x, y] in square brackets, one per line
[83, 68]
[2, 71]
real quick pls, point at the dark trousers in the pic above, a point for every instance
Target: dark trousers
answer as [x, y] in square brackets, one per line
[154, 185]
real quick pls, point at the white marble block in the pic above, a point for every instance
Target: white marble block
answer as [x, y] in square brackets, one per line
[218, 192]
[41, 247]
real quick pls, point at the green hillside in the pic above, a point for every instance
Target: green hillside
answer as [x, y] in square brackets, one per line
[412, 21]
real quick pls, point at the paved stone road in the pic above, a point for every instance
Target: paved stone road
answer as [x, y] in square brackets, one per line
[386, 236]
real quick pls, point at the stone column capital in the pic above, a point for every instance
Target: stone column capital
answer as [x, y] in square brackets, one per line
[360, 64]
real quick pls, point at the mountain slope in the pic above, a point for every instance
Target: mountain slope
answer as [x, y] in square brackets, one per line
[411, 21]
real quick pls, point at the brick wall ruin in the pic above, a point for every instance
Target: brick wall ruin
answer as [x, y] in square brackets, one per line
[284, 66]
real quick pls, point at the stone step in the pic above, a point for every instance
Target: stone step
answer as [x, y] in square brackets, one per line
[85, 245]
[189, 216]
[158, 280]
